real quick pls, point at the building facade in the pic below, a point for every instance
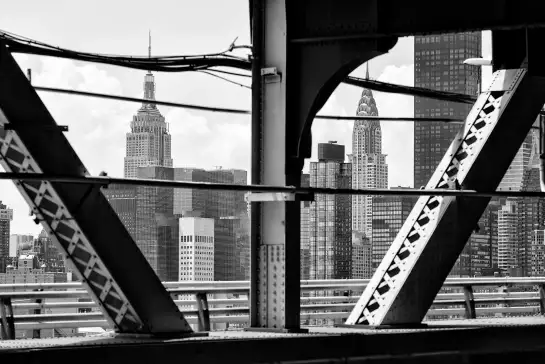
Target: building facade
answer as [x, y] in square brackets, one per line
[508, 237]
[122, 198]
[538, 253]
[305, 231]
[438, 65]
[480, 254]
[196, 241]
[18, 243]
[230, 213]
[361, 257]
[156, 226]
[330, 230]
[6, 216]
[149, 141]
[388, 216]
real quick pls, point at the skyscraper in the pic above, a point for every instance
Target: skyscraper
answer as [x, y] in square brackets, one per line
[369, 169]
[229, 211]
[6, 215]
[508, 238]
[330, 230]
[122, 198]
[156, 226]
[305, 232]
[480, 255]
[388, 216]
[196, 240]
[538, 253]
[149, 142]
[513, 179]
[529, 213]
[438, 65]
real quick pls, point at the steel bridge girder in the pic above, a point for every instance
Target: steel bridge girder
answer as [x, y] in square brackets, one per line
[427, 246]
[78, 217]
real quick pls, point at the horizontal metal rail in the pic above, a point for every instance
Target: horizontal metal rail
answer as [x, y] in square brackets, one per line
[106, 181]
[317, 301]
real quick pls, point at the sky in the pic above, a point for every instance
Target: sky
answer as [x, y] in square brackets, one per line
[97, 128]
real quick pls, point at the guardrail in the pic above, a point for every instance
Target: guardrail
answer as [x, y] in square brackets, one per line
[320, 300]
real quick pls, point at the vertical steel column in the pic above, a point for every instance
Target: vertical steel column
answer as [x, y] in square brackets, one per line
[274, 294]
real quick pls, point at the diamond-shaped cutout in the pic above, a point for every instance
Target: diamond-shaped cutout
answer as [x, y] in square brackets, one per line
[433, 204]
[470, 140]
[452, 171]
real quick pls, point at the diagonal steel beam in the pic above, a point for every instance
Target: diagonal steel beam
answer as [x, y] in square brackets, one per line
[78, 217]
[425, 250]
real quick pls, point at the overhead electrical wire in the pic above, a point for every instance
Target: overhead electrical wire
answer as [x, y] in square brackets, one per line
[136, 99]
[230, 73]
[20, 44]
[236, 111]
[410, 90]
[105, 181]
[225, 79]
[206, 62]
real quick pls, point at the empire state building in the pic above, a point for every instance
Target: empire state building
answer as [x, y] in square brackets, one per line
[149, 142]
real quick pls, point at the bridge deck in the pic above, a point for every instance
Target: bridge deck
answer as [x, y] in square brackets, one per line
[449, 340]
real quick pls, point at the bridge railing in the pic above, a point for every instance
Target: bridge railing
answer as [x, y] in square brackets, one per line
[30, 306]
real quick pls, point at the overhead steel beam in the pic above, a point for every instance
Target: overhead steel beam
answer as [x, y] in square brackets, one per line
[77, 216]
[435, 233]
[398, 18]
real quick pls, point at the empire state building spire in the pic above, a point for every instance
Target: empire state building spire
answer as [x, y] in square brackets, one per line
[149, 86]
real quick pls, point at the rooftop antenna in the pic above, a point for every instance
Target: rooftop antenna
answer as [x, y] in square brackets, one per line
[149, 45]
[367, 71]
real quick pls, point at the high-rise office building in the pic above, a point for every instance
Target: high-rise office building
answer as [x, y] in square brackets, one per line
[538, 253]
[156, 226]
[388, 216]
[480, 254]
[513, 179]
[196, 241]
[6, 215]
[369, 169]
[515, 250]
[305, 231]
[230, 213]
[509, 240]
[438, 65]
[330, 230]
[122, 198]
[361, 256]
[149, 142]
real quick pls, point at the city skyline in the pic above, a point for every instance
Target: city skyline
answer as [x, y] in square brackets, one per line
[98, 127]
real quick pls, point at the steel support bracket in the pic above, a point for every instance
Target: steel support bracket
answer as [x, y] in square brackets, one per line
[277, 196]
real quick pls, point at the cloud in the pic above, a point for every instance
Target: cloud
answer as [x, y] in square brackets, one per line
[209, 141]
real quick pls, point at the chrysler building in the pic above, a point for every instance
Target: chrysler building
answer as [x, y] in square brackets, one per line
[369, 168]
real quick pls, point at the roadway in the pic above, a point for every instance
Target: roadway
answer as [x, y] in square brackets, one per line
[468, 341]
